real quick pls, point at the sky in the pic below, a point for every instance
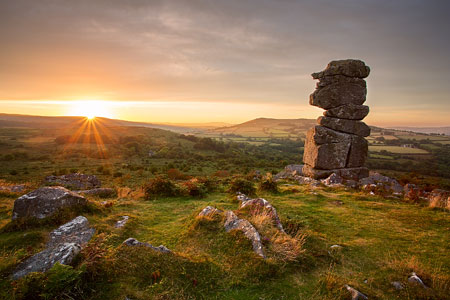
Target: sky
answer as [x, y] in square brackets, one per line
[221, 61]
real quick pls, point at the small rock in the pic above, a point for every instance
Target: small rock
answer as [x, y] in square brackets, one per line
[398, 285]
[121, 223]
[333, 180]
[234, 223]
[356, 295]
[101, 192]
[439, 198]
[416, 279]
[209, 211]
[241, 197]
[135, 242]
[335, 247]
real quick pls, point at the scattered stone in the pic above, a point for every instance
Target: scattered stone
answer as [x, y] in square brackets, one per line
[135, 242]
[121, 223]
[439, 198]
[289, 171]
[356, 295]
[337, 145]
[17, 188]
[260, 205]
[241, 197]
[102, 192]
[398, 285]
[210, 211]
[333, 180]
[378, 181]
[234, 223]
[64, 244]
[416, 280]
[335, 247]
[76, 181]
[44, 202]
[307, 180]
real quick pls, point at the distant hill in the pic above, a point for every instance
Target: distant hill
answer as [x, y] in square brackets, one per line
[268, 127]
[29, 121]
[428, 130]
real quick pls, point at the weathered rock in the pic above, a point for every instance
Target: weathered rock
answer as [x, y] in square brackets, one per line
[346, 173]
[346, 67]
[356, 295]
[348, 111]
[75, 181]
[334, 91]
[64, 244]
[289, 172]
[209, 211]
[13, 188]
[44, 202]
[439, 198]
[326, 148]
[379, 181]
[398, 285]
[260, 205]
[359, 149]
[416, 280]
[101, 192]
[333, 180]
[307, 180]
[347, 126]
[234, 223]
[242, 197]
[135, 242]
[121, 223]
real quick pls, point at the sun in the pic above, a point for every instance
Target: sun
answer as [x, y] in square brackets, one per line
[90, 109]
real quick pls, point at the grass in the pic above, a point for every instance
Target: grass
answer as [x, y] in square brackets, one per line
[397, 149]
[383, 240]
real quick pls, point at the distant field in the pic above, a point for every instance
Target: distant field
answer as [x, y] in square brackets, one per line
[397, 149]
[418, 137]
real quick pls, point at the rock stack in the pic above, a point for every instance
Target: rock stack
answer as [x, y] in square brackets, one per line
[337, 144]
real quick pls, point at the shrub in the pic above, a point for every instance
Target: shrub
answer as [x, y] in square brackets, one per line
[242, 185]
[195, 188]
[117, 174]
[268, 184]
[176, 174]
[160, 186]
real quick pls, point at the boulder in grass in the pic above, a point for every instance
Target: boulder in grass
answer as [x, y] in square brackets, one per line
[44, 202]
[439, 198]
[135, 242]
[209, 211]
[64, 244]
[356, 295]
[259, 206]
[76, 181]
[234, 223]
[100, 192]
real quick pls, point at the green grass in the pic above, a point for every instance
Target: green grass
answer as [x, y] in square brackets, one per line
[383, 240]
[397, 149]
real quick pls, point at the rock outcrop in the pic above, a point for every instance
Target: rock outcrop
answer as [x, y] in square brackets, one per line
[356, 295]
[44, 202]
[101, 192]
[74, 181]
[262, 206]
[234, 223]
[64, 244]
[337, 145]
[209, 211]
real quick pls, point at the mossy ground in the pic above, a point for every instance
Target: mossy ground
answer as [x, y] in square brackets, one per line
[382, 240]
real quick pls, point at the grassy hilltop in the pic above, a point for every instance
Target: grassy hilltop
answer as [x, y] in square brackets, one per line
[382, 239]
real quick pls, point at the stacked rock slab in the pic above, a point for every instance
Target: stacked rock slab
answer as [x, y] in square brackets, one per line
[337, 143]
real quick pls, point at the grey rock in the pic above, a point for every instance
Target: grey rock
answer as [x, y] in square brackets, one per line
[261, 205]
[209, 211]
[241, 197]
[398, 285]
[347, 67]
[379, 181]
[75, 181]
[346, 173]
[335, 91]
[44, 202]
[307, 180]
[18, 188]
[416, 280]
[234, 223]
[122, 222]
[134, 242]
[289, 172]
[359, 149]
[333, 180]
[64, 244]
[356, 295]
[326, 149]
[347, 126]
[335, 247]
[348, 111]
